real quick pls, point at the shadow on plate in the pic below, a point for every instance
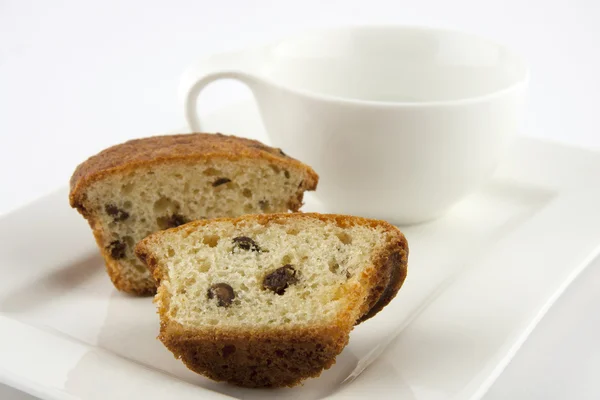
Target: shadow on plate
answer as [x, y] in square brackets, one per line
[74, 276]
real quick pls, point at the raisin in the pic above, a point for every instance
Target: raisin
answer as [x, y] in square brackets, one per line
[221, 181]
[245, 243]
[223, 293]
[280, 279]
[116, 212]
[117, 249]
[171, 222]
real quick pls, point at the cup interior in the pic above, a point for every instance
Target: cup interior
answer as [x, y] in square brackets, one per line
[394, 64]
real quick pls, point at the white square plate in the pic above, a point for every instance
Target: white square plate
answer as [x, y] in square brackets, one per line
[479, 280]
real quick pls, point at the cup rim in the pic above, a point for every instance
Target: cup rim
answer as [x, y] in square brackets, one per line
[518, 84]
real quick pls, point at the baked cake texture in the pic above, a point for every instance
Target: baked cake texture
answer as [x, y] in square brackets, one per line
[131, 190]
[270, 300]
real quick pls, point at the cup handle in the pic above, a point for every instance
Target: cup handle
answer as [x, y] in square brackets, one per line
[220, 66]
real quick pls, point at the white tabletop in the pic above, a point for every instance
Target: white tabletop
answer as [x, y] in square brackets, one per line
[77, 76]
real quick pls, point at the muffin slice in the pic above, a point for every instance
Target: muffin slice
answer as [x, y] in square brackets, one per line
[270, 300]
[142, 186]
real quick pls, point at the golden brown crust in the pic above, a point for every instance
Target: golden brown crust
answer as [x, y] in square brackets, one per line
[177, 148]
[184, 148]
[280, 357]
[381, 295]
[257, 359]
[114, 270]
[139, 288]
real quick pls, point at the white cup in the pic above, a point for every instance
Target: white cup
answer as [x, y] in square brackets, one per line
[399, 122]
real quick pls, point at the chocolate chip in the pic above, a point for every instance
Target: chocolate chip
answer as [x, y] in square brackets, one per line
[116, 212]
[263, 204]
[245, 243]
[279, 280]
[172, 221]
[282, 153]
[223, 292]
[300, 184]
[117, 249]
[219, 134]
[221, 181]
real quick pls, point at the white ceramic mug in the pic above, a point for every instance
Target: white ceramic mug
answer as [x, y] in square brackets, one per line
[400, 123]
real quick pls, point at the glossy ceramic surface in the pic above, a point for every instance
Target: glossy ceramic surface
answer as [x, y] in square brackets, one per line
[400, 122]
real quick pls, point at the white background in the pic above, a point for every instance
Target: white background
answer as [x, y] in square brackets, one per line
[77, 76]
